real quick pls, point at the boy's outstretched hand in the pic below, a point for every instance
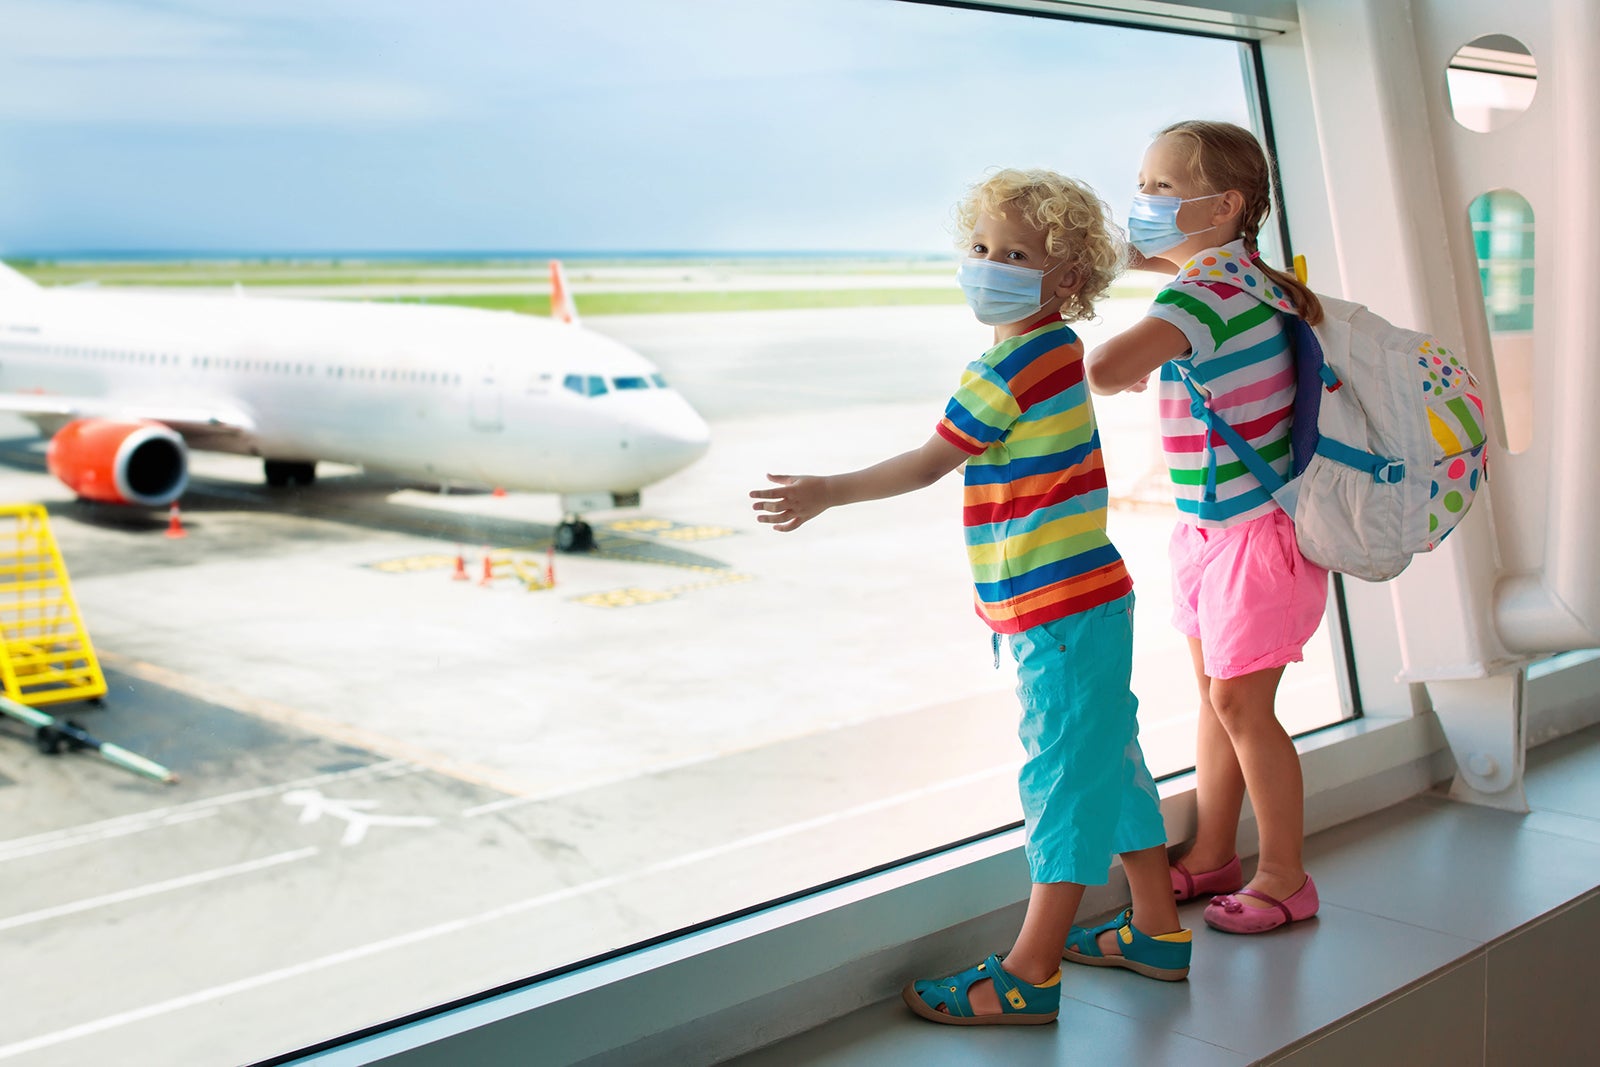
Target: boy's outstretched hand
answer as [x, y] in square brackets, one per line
[797, 499]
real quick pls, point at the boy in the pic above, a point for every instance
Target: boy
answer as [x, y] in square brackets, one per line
[1039, 251]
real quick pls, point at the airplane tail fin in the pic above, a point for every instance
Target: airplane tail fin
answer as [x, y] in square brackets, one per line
[11, 280]
[562, 309]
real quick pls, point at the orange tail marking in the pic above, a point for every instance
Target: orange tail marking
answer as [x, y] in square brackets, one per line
[562, 309]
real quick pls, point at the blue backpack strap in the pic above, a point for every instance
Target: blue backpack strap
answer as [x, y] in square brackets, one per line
[1269, 478]
[1312, 375]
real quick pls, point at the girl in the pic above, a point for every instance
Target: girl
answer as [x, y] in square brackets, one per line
[1243, 594]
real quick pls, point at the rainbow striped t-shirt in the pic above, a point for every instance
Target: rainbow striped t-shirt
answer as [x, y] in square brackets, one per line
[1035, 498]
[1239, 357]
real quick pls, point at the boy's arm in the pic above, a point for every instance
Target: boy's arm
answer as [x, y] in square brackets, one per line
[1132, 355]
[800, 498]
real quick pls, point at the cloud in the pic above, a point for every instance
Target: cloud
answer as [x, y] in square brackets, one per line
[90, 61]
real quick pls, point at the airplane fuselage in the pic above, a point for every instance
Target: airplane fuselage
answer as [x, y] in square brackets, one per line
[442, 393]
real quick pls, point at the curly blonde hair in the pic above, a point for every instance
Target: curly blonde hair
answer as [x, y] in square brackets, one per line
[1075, 223]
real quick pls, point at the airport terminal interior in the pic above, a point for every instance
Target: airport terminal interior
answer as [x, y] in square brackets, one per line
[394, 671]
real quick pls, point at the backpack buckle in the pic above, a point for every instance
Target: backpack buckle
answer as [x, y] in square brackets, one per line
[1391, 472]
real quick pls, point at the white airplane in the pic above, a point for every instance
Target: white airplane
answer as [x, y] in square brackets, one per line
[124, 384]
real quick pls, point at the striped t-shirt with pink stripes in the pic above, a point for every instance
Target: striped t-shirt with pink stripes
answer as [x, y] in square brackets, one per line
[1239, 358]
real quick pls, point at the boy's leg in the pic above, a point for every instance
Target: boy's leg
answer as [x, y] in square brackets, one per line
[1154, 910]
[1245, 706]
[1037, 952]
[1219, 782]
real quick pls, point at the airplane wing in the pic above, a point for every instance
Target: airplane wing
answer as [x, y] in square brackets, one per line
[51, 411]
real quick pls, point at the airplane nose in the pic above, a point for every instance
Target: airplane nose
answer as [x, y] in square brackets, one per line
[671, 439]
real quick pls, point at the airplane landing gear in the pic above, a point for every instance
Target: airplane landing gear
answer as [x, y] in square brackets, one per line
[574, 535]
[284, 474]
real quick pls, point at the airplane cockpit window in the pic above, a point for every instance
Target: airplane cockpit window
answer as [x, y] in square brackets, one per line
[661, 383]
[591, 385]
[631, 382]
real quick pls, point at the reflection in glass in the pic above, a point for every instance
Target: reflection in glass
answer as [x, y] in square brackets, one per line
[1502, 236]
[1491, 81]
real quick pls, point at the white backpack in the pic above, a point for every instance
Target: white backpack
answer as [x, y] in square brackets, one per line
[1387, 439]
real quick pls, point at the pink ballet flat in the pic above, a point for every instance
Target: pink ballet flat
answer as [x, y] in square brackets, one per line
[1228, 914]
[1187, 885]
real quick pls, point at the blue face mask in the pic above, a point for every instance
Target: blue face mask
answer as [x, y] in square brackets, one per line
[1001, 293]
[1153, 222]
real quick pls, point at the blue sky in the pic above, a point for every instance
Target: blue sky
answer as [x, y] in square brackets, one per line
[303, 125]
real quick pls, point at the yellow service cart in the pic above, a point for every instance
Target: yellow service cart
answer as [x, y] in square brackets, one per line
[45, 654]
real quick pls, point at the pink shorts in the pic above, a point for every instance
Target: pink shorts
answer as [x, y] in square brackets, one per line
[1247, 593]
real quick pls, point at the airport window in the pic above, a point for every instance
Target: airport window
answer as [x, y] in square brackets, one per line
[417, 787]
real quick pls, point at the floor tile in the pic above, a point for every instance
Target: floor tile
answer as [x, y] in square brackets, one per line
[1542, 990]
[1463, 870]
[1256, 994]
[1564, 775]
[887, 1033]
[1439, 1022]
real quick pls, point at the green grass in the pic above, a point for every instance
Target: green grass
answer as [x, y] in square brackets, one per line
[668, 301]
[666, 280]
[655, 302]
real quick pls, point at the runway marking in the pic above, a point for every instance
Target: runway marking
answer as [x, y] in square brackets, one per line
[634, 596]
[313, 806]
[310, 722]
[412, 564]
[212, 994]
[199, 878]
[156, 818]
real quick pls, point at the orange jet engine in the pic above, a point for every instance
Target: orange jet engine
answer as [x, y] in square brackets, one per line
[135, 461]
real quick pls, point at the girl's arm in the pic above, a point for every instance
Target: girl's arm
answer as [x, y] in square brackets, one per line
[800, 498]
[1132, 355]
[1139, 261]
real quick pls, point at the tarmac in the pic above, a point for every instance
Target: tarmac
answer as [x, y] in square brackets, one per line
[400, 789]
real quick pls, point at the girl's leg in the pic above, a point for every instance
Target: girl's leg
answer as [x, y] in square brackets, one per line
[1037, 952]
[1245, 706]
[1219, 781]
[1154, 911]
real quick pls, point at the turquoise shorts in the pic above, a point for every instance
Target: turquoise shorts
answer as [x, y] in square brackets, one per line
[1086, 793]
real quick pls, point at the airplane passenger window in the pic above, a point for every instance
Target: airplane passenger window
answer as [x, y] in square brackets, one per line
[431, 737]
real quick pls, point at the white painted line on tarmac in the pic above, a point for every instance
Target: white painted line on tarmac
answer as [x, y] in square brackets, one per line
[155, 818]
[83, 836]
[211, 995]
[310, 722]
[150, 890]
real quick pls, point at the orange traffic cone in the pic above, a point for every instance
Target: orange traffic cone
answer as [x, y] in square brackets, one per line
[175, 524]
[498, 492]
[460, 573]
[550, 567]
[488, 568]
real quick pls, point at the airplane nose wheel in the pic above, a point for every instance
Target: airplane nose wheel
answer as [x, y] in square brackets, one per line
[574, 535]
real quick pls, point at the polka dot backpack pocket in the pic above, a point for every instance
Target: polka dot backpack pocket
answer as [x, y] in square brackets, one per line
[1387, 441]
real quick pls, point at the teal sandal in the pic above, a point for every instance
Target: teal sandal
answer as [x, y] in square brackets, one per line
[1165, 956]
[1021, 1004]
